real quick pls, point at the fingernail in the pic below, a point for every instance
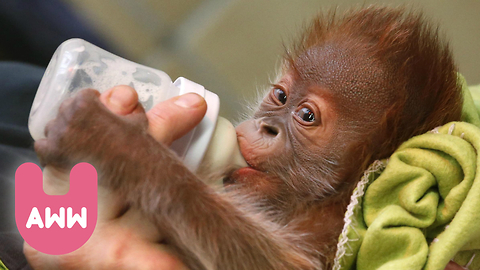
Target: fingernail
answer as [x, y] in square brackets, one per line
[121, 97]
[189, 100]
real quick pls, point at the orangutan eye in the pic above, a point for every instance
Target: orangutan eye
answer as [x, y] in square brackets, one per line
[280, 95]
[306, 115]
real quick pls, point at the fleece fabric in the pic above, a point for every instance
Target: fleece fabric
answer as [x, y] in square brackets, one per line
[421, 207]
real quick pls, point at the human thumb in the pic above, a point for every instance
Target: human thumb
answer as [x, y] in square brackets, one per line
[173, 118]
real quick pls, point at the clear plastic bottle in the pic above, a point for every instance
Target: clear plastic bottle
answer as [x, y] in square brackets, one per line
[77, 65]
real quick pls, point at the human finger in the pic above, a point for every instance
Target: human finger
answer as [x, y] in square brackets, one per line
[121, 99]
[173, 118]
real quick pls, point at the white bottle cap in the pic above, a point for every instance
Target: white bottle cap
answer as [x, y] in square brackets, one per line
[192, 147]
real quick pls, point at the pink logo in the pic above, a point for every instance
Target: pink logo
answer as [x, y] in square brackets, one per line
[56, 224]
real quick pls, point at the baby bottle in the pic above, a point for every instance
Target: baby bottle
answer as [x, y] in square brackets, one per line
[77, 65]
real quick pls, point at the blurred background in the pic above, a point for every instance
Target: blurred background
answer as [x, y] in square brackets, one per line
[232, 47]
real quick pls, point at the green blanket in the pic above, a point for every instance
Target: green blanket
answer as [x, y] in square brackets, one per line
[420, 208]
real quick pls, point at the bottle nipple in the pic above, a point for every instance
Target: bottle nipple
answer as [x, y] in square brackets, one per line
[223, 154]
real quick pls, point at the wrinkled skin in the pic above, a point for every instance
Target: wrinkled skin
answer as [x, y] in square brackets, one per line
[278, 130]
[310, 132]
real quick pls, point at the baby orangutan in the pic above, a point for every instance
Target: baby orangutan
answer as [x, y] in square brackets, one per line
[351, 91]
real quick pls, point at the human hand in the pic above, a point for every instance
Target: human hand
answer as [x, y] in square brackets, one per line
[168, 120]
[85, 129]
[124, 240]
